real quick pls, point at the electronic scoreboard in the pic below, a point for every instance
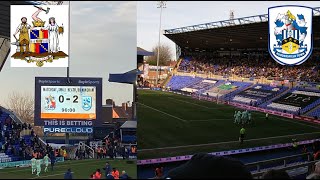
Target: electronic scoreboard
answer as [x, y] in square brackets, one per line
[68, 104]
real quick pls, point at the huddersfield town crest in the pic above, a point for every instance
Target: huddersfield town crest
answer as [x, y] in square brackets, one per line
[86, 103]
[290, 34]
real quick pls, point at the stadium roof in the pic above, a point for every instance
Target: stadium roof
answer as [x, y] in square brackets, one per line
[142, 52]
[129, 124]
[240, 33]
[129, 77]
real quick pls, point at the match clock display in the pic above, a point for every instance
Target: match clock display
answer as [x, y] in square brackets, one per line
[68, 102]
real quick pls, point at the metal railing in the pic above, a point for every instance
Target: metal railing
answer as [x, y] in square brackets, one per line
[284, 161]
[83, 146]
[308, 164]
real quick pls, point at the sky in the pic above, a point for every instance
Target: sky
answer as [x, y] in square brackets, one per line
[102, 41]
[185, 13]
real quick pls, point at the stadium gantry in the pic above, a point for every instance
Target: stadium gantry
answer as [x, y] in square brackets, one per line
[240, 33]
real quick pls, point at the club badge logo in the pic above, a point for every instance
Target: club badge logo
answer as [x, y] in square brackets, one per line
[41, 41]
[86, 103]
[290, 34]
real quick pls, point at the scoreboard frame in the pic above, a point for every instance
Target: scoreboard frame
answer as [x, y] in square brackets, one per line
[65, 81]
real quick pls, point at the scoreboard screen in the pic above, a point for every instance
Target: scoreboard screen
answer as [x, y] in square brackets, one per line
[68, 102]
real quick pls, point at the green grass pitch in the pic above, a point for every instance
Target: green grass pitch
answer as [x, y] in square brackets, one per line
[81, 170]
[172, 125]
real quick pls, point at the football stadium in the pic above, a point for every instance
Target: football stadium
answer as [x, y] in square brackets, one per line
[225, 82]
[67, 129]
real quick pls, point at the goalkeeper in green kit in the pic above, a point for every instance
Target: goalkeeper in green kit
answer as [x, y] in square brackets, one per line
[46, 163]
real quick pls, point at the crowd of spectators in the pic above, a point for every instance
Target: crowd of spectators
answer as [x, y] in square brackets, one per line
[113, 147]
[110, 148]
[13, 140]
[141, 82]
[109, 173]
[252, 67]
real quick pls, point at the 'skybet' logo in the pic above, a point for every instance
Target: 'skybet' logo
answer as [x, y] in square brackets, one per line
[290, 34]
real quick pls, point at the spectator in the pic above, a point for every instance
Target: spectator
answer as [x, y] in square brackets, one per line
[206, 166]
[52, 160]
[24, 126]
[92, 175]
[275, 174]
[107, 169]
[77, 154]
[32, 133]
[313, 176]
[84, 154]
[115, 173]
[124, 175]
[317, 168]
[104, 152]
[97, 175]
[68, 174]
[158, 172]
[109, 176]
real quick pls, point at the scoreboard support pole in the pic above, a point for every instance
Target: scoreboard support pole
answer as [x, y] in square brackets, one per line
[45, 137]
[134, 103]
[67, 138]
[68, 71]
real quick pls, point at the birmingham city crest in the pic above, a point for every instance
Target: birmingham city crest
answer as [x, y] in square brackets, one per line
[86, 103]
[290, 34]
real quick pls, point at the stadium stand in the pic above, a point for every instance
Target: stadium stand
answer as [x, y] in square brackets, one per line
[225, 89]
[250, 67]
[240, 87]
[201, 86]
[18, 140]
[258, 94]
[179, 82]
[315, 113]
[297, 101]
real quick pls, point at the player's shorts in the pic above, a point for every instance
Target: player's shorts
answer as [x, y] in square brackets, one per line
[242, 136]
